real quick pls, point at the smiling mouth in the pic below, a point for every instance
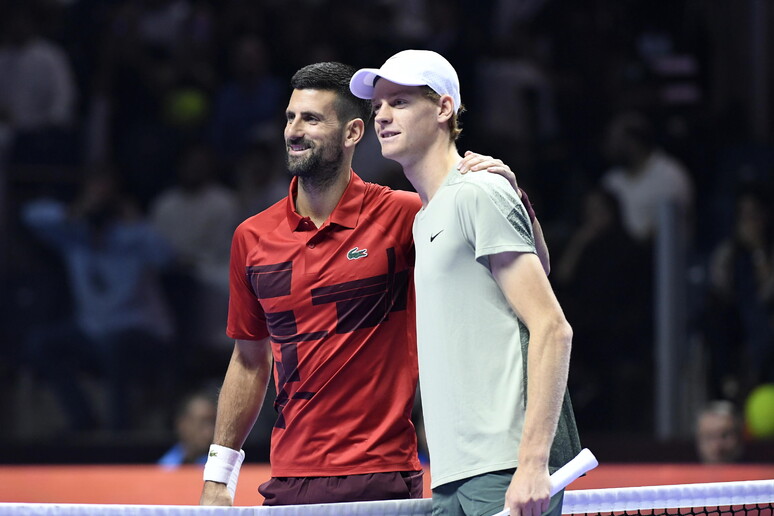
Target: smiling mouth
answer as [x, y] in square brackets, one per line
[297, 148]
[387, 134]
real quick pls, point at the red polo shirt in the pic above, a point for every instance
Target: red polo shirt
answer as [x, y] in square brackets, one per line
[338, 304]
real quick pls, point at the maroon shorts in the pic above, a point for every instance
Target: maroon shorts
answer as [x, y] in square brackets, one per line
[348, 488]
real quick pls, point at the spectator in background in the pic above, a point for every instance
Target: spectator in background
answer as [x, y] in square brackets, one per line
[252, 98]
[643, 176]
[740, 320]
[197, 216]
[136, 71]
[719, 433]
[516, 96]
[120, 326]
[37, 88]
[194, 427]
[603, 271]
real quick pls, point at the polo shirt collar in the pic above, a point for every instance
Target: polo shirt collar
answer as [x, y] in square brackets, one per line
[345, 214]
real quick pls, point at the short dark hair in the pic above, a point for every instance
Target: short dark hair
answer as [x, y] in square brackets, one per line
[333, 77]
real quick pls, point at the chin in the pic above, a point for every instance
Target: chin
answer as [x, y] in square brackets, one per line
[390, 153]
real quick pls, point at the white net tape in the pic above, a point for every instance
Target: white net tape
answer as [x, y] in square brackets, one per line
[575, 502]
[668, 497]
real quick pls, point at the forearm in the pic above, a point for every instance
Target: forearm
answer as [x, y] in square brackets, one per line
[548, 365]
[525, 285]
[242, 394]
[529, 293]
[239, 403]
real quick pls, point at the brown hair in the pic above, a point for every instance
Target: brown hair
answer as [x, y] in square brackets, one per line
[455, 126]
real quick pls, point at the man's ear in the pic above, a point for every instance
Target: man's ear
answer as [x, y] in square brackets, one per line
[354, 131]
[446, 103]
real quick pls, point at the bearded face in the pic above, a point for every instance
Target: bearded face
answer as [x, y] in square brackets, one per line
[314, 137]
[314, 162]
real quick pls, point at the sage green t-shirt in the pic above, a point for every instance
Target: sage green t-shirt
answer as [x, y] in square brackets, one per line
[472, 348]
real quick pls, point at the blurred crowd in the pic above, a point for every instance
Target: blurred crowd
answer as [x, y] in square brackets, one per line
[136, 134]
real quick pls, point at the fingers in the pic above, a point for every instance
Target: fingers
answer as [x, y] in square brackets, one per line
[506, 172]
[503, 170]
[531, 508]
[475, 162]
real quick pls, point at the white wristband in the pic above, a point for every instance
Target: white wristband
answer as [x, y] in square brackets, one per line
[234, 477]
[223, 465]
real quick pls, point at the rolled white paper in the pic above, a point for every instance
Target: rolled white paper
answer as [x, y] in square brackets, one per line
[564, 476]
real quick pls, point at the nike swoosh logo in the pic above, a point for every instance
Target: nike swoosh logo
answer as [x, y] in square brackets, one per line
[432, 237]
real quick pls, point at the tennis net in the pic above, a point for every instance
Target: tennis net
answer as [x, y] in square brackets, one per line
[748, 498]
[751, 498]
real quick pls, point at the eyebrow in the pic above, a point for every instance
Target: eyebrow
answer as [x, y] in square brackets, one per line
[404, 91]
[318, 114]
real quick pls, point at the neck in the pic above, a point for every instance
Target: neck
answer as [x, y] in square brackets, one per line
[429, 171]
[317, 201]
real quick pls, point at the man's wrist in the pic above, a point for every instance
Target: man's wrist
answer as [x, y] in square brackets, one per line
[223, 466]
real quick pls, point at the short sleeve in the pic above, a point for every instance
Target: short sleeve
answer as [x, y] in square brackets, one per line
[246, 318]
[492, 218]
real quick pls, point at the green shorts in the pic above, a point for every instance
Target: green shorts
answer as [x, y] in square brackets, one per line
[482, 495]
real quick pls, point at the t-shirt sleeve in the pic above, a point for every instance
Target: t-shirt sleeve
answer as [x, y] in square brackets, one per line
[246, 319]
[492, 218]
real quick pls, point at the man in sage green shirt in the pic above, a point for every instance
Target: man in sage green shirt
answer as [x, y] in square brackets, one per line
[486, 313]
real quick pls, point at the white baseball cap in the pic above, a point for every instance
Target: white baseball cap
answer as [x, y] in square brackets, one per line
[411, 68]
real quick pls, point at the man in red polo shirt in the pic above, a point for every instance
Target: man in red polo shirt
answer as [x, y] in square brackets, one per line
[322, 283]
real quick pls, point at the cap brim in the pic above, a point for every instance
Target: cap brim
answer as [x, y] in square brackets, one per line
[362, 83]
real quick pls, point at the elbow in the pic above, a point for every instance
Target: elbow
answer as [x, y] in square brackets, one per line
[561, 332]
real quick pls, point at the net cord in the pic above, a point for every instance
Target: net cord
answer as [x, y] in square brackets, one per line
[582, 501]
[668, 497]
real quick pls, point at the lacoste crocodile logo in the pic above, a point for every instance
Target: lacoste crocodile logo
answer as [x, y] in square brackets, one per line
[356, 253]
